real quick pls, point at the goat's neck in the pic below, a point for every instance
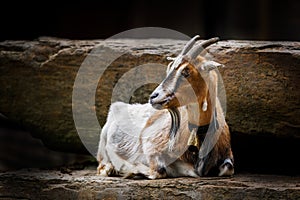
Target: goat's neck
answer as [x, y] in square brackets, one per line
[197, 116]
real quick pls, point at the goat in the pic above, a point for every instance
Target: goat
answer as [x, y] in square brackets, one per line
[180, 132]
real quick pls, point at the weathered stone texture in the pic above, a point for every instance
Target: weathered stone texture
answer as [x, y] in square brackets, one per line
[262, 84]
[83, 184]
[36, 77]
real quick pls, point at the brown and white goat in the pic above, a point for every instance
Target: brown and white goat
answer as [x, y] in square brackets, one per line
[180, 132]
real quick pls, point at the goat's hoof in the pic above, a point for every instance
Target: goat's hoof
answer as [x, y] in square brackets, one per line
[99, 169]
[155, 176]
[160, 172]
[199, 168]
[105, 170]
[227, 168]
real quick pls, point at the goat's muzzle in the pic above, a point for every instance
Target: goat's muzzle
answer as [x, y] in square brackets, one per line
[160, 101]
[157, 99]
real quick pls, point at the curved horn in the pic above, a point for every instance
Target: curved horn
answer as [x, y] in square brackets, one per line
[189, 45]
[196, 50]
[209, 42]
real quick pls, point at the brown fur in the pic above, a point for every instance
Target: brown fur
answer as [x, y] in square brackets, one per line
[192, 85]
[205, 87]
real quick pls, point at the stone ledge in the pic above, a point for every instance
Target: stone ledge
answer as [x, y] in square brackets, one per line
[36, 77]
[84, 184]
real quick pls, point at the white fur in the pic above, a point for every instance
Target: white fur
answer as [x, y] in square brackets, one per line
[123, 126]
[128, 145]
[128, 150]
[225, 170]
[135, 139]
[204, 106]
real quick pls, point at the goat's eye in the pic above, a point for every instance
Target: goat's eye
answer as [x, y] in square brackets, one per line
[185, 72]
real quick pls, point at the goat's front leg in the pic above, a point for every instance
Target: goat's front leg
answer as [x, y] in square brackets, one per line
[157, 166]
[219, 161]
[226, 168]
[215, 163]
[181, 168]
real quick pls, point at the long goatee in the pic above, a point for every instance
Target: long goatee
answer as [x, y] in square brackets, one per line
[175, 124]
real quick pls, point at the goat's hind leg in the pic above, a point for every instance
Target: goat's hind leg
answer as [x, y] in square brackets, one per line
[105, 168]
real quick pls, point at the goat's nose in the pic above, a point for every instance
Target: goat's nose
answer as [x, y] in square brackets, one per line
[153, 96]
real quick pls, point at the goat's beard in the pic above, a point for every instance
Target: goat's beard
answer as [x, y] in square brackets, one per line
[175, 125]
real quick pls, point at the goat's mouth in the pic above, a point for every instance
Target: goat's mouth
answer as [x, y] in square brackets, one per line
[162, 103]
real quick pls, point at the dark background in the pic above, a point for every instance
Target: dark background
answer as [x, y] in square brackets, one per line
[228, 19]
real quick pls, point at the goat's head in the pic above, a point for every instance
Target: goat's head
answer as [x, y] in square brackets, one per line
[187, 76]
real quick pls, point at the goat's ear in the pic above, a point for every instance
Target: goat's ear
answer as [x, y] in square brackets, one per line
[210, 65]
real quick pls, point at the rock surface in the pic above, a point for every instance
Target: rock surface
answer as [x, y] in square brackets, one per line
[83, 184]
[262, 85]
[37, 77]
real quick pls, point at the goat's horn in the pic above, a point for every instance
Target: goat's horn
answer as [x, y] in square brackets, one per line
[209, 42]
[196, 50]
[189, 45]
